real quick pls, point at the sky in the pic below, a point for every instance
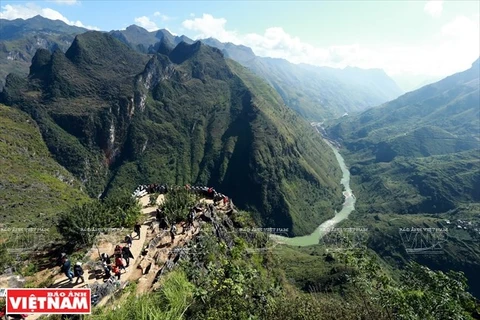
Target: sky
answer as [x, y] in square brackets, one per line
[410, 40]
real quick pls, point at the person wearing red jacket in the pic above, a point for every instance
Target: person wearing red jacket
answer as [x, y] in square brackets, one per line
[119, 263]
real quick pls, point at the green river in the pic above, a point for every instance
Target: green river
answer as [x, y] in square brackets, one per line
[348, 207]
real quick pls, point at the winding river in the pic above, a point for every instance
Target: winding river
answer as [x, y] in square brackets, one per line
[347, 208]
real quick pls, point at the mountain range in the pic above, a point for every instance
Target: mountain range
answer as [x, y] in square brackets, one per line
[116, 118]
[316, 93]
[90, 114]
[420, 152]
[20, 39]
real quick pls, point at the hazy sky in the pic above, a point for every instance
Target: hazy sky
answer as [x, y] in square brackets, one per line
[427, 38]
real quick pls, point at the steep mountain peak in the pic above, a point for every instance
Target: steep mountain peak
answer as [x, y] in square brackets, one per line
[163, 33]
[185, 39]
[136, 28]
[184, 51]
[39, 62]
[92, 47]
[37, 18]
[214, 42]
[164, 46]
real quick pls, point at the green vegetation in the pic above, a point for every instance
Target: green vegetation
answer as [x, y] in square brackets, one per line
[415, 162]
[83, 223]
[456, 248]
[431, 184]
[170, 302]
[33, 187]
[178, 203]
[231, 278]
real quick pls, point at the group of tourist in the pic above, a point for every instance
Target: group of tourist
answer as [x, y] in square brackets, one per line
[122, 254]
[164, 224]
[121, 257]
[207, 192]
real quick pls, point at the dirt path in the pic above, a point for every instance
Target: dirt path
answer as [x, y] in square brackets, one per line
[142, 269]
[160, 253]
[61, 281]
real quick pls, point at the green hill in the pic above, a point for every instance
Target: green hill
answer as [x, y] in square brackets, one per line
[418, 153]
[117, 118]
[33, 187]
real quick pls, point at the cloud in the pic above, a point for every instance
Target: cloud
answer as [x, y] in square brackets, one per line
[66, 2]
[434, 8]
[162, 16]
[453, 48]
[208, 26]
[146, 23]
[29, 10]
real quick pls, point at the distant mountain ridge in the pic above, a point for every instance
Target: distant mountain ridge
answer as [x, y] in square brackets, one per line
[314, 92]
[15, 29]
[147, 41]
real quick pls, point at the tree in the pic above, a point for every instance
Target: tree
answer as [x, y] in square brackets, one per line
[83, 223]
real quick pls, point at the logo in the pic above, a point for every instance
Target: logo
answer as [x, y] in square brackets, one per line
[423, 240]
[49, 301]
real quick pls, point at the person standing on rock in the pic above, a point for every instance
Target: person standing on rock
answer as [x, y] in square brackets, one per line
[191, 219]
[66, 265]
[164, 223]
[137, 228]
[211, 208]
[128, 240]
[107, 269]
[106, 258]
[116, 271]
[119, 263]
[173, 232]
[127, 254]
[78, 272]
